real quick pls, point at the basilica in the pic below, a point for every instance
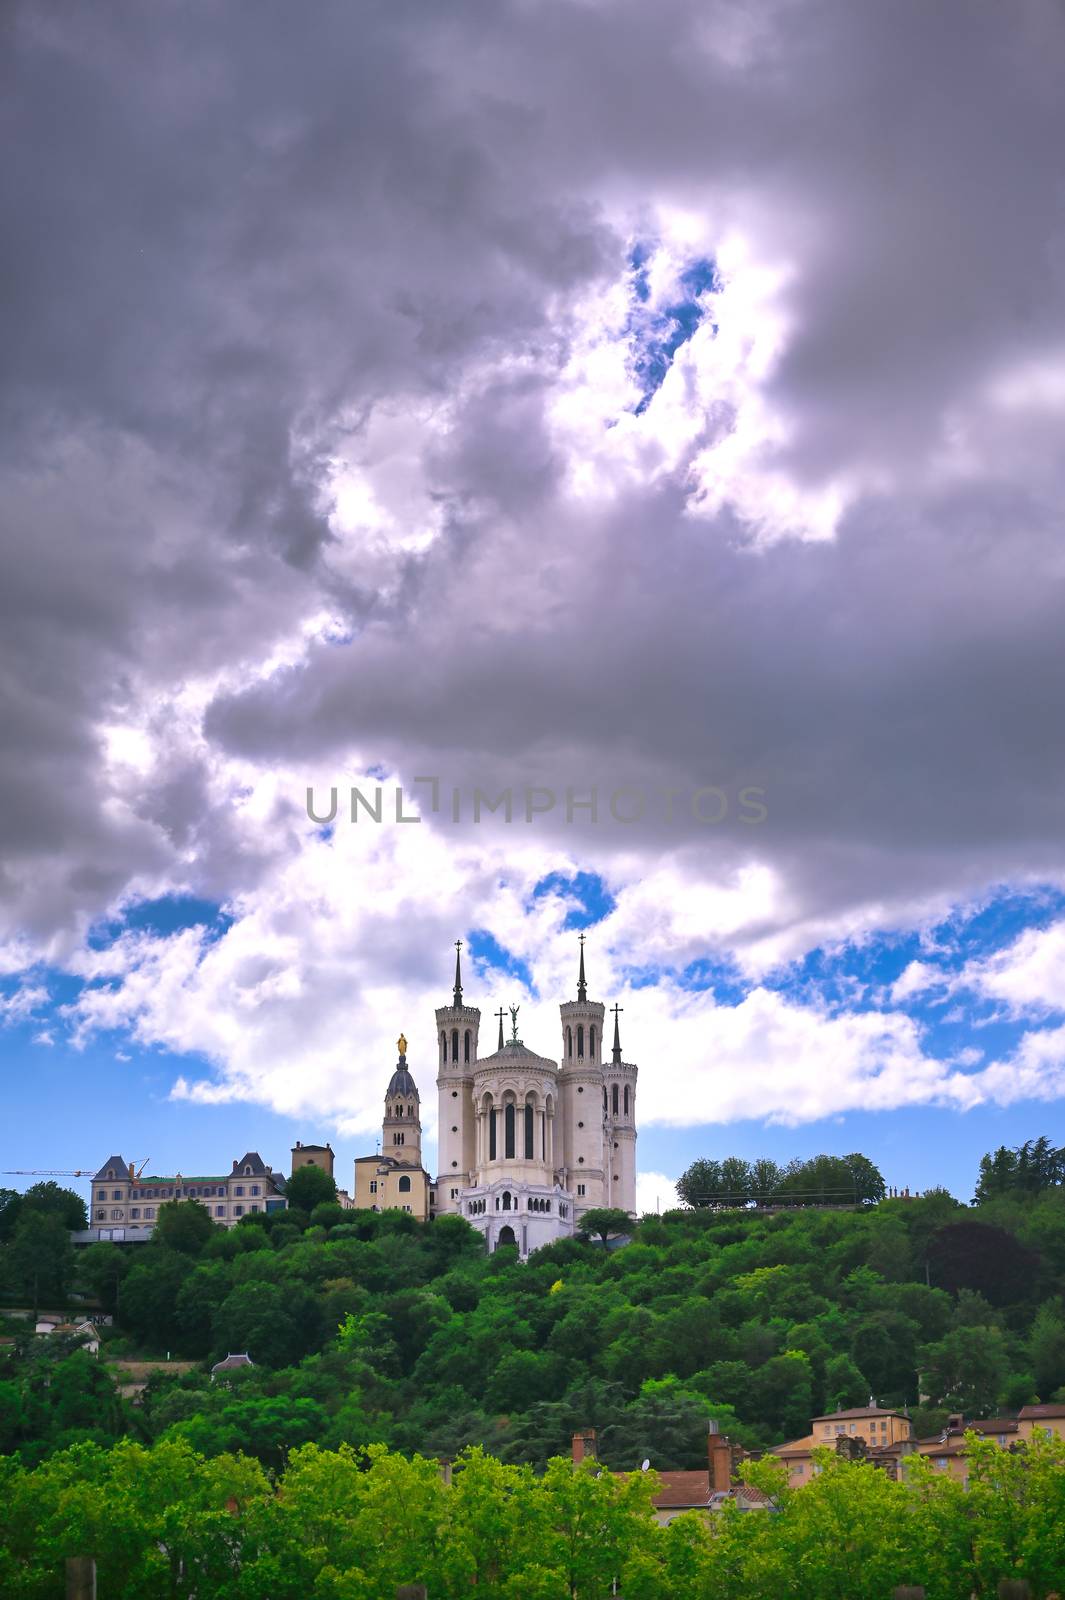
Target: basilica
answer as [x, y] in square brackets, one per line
[527, 1144]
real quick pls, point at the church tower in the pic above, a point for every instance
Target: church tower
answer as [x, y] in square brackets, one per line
[457, 1027]
[584, 1151]
[619, 1119]
[401, 1131]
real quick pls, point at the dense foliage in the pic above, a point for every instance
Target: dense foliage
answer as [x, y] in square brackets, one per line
[352, 1526]
[375, 1328]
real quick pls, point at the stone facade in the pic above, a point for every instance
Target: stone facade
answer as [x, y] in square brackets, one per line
[528, 1144]
[122, 1199]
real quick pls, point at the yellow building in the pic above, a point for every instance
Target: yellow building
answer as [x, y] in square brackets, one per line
[395, 1180]
[886, 1435]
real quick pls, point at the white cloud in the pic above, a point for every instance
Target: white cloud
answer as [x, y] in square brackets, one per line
[655, 1192]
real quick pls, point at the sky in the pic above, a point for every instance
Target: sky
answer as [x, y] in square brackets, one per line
[648, 414]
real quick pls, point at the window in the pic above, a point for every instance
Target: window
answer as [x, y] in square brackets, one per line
[508, 1130]
[239, 1189]
[454, 1044]
[454, 1194]
[110, 1172]
[135, 1212]
[149, 1212]
[254, 1207]
[492, 1134]
[443, 1047]
[580, 1039]
[569, 1041]
[101, 1215]
[238, 1211]
[626, 1099]
[591, 1041]
[404, 1186]
[466, 1046]
[406, 1208]
[373, 1185]
[580, 1124]
[247, 1172]
[580, 1188]
[116, 1216]
[614, 1099]
[255, 1188]
[528, 1133]
[397, 1138]
[117, 1195]
[219, 1211]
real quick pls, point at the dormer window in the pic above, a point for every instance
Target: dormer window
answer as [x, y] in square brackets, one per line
[247, 1172]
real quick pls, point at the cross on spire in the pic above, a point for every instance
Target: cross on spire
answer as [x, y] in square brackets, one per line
[458, 972]
[582, 986]
[500, 1014]
[617, 1036]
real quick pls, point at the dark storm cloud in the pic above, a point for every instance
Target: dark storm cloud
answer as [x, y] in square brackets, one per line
[237, 229]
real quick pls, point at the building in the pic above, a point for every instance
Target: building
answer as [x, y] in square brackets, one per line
[395, 1179]
[318, 1155]
[884, 1437]
[123, 1199]
[528, 1144]
[705, 1490]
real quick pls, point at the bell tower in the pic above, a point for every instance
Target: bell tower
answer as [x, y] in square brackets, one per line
[580, 1080]
[457, 1028]
[401, 1130]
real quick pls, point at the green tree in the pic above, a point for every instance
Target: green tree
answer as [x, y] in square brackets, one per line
[102, 1267]
[966, 1370]
[183, 1225]
[276, 1325]
[38, 1263]
[1046, 1348]
[605, 1220]
[309, 1187]
[55, 1201]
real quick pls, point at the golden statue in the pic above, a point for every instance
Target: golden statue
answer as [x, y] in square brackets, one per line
[402, 1042]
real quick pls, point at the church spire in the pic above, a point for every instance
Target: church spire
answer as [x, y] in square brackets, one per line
[500, 1015]
[458, 972]
[582, 986]
[617, 1036]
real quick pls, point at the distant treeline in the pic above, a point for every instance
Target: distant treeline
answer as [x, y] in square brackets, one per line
[822, 1180]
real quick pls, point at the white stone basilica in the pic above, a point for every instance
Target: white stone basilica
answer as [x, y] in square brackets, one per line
[526, 1144]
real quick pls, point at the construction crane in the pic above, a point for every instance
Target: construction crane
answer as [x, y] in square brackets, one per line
[56, 1172]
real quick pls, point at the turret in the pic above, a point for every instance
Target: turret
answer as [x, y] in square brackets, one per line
[582, 1154]
[457, 1028]
[401, 1130]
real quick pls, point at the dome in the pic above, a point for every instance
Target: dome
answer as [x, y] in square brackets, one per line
[401, 1081]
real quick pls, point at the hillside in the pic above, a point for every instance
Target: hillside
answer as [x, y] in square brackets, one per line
[367, 1327]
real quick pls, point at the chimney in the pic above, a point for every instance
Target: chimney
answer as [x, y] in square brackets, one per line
[719, 1452]
[584, 1445]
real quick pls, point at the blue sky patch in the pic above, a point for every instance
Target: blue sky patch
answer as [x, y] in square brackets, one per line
[658, 335]
[490, 957]
[590, 899]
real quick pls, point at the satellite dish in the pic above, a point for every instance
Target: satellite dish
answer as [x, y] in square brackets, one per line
[645, 1463]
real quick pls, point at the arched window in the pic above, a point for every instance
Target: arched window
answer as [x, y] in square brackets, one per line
[454, 1044]
[404, 1186]
[492, 1134]
[604, 1102]
[466, 1046]
[614, 1099]
[591, 1041]
[506, 1199]
[626, 1099]
[569, 1041]
[508, 1131]
[528, 1133]
[247, 1172]
[443, 1047]
[580, 1039]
